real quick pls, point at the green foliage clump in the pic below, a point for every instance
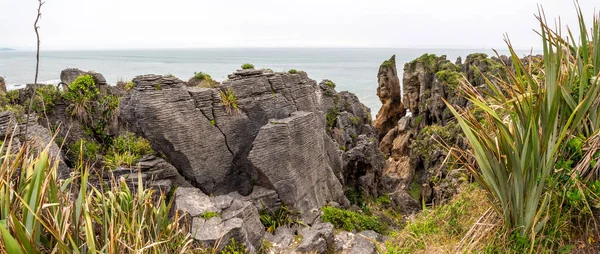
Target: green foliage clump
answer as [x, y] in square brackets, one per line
[17, 109]
[125, 150]
[384, 199]
[157, 87]
[229, 100]
[13, 96]
[201, 75]
[45, 98]
[81, 93]
[85, 151]
[331, 118]
[389, 63]
[350, 221]
[207, 215]
[247, 66]
[355, 120]
[234, 248]
[292, 71]
[330, 84]
[275, 219]
[428, 60]
[129, 85]
[450, 78]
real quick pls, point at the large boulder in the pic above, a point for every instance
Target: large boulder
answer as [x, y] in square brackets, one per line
[232, 219]
[388, 91]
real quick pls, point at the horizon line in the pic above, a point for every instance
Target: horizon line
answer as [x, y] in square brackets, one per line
[251, 47]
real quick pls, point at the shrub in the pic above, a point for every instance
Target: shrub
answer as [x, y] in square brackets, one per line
[45, 98]
[85, 151]
[229, 100]
[234, 248]
[13, 96]
[247, 66]
[81, 93]
[292, 71]
[330, 84]
[350, 221]
[280, 217]
[207, 215]
[201, 75]
[129, 85]
[331, 118]
[125, 150]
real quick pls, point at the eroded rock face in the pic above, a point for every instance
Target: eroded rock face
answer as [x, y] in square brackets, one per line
[164, 112]
[291, 154]
[217, 143]
[388, 91]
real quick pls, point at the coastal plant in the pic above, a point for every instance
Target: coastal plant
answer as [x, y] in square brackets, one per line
[281, 217]
[350, 221]
[85, 150]
[40, 213]
[229, 100]
[330, 84]
[81, 94]
[126, 150]
[247, 66]
[129, 85]
[45, 98]
[12, 96]
[207, 215]
[201, 75]
[529, 119]
[292, 71]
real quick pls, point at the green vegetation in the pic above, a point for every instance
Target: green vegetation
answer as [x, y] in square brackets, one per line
[247, 66]
[429, 61]
[292, 71]
[129, 85]
[157, 87]
[45, 98]
[81, 94]
[125, 150]
[234, 248]
[229, 100]
[330, 84]
[13, 96]
[450, 78]
[331, 118]
[536, 121]
[40, 213]
[201, 75]
[207, 215]
[440, 229]
[280, 217]
[389, 63]
[355, 120]
[84, 150]
[350, 221]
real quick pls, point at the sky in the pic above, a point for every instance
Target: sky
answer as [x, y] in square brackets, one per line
[146, 24]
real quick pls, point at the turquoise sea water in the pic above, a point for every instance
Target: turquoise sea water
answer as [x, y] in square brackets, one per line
[353, 70]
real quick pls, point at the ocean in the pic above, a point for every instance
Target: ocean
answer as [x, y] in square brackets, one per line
[353, 70]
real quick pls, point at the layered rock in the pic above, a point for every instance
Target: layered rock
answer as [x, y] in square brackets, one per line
[416, 144]
[230, 138]
[388, 91]
[291, 155]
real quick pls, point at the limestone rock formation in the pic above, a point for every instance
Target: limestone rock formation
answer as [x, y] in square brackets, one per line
[317, 239]
[388, 91]
[291, 155]
[233, 138]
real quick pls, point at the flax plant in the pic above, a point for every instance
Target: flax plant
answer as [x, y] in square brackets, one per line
[517, 130]
[40, 213]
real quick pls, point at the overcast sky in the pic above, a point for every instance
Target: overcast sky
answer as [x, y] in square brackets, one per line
[114, 24]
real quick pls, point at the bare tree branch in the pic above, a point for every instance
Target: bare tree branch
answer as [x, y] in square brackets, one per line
[37, 64]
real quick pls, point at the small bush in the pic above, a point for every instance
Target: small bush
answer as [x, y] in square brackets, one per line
[330, 84]
[125, 150]
[234, 248]
[13, 96]
[201, 76]
[81, 93]
[293, 71]
[207, 215]
[129, 85]
[229, 100]
[157, 87]
[247, 66]
[350, 221]
[85, 151]
[272, 220]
